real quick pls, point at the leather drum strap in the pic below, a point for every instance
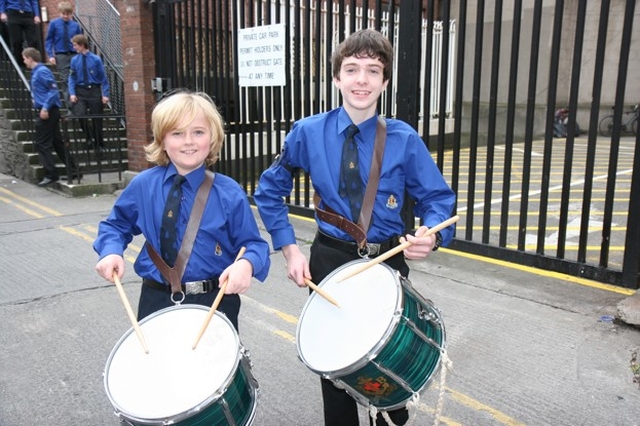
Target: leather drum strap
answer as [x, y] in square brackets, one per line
[374, 176]
[174, 275]
[359, 231]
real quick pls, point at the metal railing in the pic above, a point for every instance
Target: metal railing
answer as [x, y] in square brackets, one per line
[16, 87]
[100, 21]
[111, 157]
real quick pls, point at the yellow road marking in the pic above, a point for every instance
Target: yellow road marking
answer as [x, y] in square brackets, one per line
[21, 207]
[541, 272]
[472, 403]
[445, 420]
[30, 203]
[285, 335]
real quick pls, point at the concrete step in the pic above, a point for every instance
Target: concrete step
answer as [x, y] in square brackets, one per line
[89, 172]
[90, 185]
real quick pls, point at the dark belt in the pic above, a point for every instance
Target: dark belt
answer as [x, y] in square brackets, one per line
[374, 249]
[191, 287]
[37, 109]
[66, 53]
[21, 12]
[89, 86]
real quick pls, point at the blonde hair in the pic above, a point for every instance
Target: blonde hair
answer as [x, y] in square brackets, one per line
[179, 108]
[65, 7]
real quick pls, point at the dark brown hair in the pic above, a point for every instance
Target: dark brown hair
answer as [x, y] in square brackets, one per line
[364, 43]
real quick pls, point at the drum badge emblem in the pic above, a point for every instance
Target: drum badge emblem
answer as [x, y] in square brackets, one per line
[392, 203]
[377, 387]
[218, 249]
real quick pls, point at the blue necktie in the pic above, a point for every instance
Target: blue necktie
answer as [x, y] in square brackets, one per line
[350, 182]
[170, 216]
[65, 36]
[85, 73]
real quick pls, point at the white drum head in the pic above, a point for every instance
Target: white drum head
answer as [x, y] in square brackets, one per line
[172, 378]
[330, 338]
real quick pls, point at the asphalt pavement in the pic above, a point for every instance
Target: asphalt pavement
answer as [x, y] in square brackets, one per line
[527, 347]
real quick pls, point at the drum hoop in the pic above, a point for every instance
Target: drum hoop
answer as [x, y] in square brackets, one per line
[198, 407]
[375, 350]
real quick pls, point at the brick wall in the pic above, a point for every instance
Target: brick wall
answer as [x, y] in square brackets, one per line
[136, 25]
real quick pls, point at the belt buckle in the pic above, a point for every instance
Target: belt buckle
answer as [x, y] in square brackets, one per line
[194, 287]
[371, 249]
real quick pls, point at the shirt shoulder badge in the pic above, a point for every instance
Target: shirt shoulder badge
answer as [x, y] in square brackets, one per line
[392, 203]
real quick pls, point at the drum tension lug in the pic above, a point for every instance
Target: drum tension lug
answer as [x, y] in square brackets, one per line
[423, 314]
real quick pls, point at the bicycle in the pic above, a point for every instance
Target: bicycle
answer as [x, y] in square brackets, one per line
[631, 125]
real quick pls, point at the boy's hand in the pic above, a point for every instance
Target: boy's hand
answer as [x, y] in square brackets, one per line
[110, 264]
[420, 246]
[297, 264]
[238, 275]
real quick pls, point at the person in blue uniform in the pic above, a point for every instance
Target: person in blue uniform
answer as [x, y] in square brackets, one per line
[21, 17]
[187, 138]
[46, 101]
[361, 68]
[89, 88]
[58, 44]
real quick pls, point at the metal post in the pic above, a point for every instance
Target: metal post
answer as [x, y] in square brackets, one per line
[408, 102]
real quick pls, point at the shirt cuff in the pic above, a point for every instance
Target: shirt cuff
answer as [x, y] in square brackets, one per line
[282, 238]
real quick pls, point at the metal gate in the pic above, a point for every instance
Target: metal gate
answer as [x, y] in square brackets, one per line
[481, 81]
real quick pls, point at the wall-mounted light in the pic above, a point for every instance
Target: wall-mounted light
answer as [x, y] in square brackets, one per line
[44, 15]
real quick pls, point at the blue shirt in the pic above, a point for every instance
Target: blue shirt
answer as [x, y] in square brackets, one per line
[315, 146]
[227, 224]
[25, 6]
[44, 89]
[55, 42]
[95, 72]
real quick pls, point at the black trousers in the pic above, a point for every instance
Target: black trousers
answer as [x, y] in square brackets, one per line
[47, 138]
[90, 103]
[21, 28]
[152, 300]
[339, 408]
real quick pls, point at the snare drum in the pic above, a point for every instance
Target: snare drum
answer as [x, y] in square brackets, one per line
[174, 384]
[383, 345]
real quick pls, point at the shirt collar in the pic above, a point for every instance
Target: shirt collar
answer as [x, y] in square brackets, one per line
[367, 128]
[194, 178]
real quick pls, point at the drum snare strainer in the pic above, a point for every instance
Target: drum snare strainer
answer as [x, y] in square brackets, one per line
[383, 345]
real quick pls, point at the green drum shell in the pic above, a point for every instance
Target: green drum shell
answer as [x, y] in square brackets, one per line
[240, 399]
[406, 363]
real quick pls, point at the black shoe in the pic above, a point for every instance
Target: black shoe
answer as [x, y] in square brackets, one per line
[46, 181]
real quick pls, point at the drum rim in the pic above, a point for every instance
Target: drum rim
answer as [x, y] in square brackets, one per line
[377, 348]
[196, 408]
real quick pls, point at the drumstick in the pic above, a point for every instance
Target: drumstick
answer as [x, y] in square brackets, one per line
[216, 302]
[398, 249]
[321, 292]
[127, 307]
